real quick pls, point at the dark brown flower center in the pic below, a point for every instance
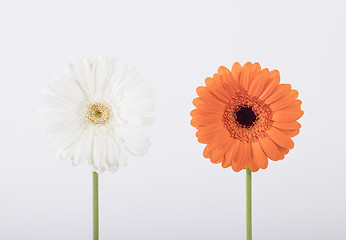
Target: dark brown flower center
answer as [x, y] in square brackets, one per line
[245, 116]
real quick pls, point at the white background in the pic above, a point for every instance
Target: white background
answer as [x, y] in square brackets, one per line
[173, 193]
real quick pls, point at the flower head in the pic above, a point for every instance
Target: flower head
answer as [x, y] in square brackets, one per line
[94, 111]
[245, 116]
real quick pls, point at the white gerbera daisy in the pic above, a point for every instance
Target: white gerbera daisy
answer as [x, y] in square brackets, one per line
[94, 112]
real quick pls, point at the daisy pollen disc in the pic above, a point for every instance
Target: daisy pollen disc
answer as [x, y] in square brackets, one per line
[97, 113]
[245, 116]
[94, 112]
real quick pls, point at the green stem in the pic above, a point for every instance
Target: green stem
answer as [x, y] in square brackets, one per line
[95, 206]
[248, 206]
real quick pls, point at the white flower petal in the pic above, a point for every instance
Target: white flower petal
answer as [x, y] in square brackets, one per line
[66, 143]
[117, 79]
[88, 146]
[137, 109]
[140, 93]
[103, 73]
[82, 72]
[97, 152]
[135, 141]
[112, 152]
[82, 145]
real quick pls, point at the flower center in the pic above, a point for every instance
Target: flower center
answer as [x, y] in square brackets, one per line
[97, 113]
[245, 116]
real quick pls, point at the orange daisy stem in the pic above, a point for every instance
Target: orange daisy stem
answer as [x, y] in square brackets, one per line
[95, 206]
[248, 206]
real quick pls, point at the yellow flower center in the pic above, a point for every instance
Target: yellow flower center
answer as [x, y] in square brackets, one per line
[97, 113]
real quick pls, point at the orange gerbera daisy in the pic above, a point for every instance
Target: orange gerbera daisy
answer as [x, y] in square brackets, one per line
[245, 116]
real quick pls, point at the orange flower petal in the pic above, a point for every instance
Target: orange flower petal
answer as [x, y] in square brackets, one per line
[287, 125]
[207, 152]
[218, 155]
[208, 119]
[229, 154]
[196, 102]
[194, 123]
[270, 87]
[217, 89]
[248, 156]
[275, 75]
[285, 101]
[207, 109]
[259, 83]
[252, 166]
[287, 116]
[236, 71]
[282, 91]
[291, 133]
[259, 156]
[225, 86]
[248, 74]
[283, 150]
[219, 140]
[224, 72]
[220, 151]
[194, 112]
[280, 138]
[271, 149]
[216, 160]
[211, 127]
[214, 149]
[206, 136]
[240, 157]
[228, 81]
[206, 96]
[256, 69]
[200, 90]
[295, 105]
[245, 76]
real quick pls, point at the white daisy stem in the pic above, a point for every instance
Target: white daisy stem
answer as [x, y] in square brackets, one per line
[248, 206]
[95, 206]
